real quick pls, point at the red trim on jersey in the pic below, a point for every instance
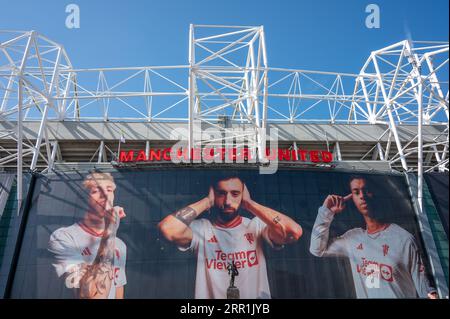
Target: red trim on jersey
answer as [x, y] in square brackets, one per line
[90, 231]
[379, 230]
[235, 222]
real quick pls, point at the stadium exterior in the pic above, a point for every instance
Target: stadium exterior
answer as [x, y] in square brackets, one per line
[391, 116]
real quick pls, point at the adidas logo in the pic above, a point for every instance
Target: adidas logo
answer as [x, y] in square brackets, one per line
[213, 239]
[86, 252]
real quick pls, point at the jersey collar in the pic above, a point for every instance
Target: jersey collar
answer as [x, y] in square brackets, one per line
[234, 223]
[89, 230]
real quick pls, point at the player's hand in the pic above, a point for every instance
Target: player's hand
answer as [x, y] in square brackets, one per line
[210, 197]
[246, 199]
[113, 216]
[433, 295]
[336, 203]
[120, 211]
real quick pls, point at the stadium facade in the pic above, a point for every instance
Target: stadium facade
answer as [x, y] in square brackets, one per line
[390, 119]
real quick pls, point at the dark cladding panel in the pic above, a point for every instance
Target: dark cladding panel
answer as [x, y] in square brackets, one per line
[156, 268]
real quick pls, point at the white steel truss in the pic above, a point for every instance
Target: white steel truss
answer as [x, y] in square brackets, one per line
[30, 83]
[228, 79]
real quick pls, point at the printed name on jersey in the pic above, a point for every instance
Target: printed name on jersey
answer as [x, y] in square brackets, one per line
[242, 259]
[374, 268]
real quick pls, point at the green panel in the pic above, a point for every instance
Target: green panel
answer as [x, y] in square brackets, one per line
[439, 235]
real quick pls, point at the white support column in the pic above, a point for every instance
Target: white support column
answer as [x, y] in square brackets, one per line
[191, 91]
[262, 146]
[375, 153]
[388, 145]
[420, 146]
[53, 156]
[19, 125]
[37, 147]
[416, 72]
[295, 147]
[49, 103]
[147, 149]
[380, 151]
[337, 151]
[19, 149]
[101, 152]
[62, 109]
[388, 104]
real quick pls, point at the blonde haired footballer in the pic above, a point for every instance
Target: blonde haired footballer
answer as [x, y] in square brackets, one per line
[88, 254]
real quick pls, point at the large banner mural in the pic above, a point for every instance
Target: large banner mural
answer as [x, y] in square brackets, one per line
[210, 233]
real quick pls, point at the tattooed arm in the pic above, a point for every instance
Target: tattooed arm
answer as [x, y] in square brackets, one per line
[175, 227]
[281, 228]
[98, 278]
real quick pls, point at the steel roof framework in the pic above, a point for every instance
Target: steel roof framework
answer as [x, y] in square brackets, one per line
[227, 77]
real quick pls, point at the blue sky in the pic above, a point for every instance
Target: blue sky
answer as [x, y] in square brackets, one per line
[319, 35]
[326, 35]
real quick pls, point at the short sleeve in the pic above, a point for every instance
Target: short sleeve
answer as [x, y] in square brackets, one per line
[66, 256]
[121, 278]
[198, 229]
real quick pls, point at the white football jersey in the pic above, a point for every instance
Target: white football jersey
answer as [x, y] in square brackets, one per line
[386, 264]
[77, 244]
[216, 247]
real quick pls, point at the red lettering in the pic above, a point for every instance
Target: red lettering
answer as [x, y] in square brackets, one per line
[242, 154]
[182, 152]
[247, 154]
[222, 153]
[210, 263]
[220, 255]
[166, 154]
[196, 154]
[314, 156]
[240, 255]
[270, 154]
[302, 154]
[327, 157]
[208, 154]
[232, 154]
[155, 155]
[284, 155]
[126, 156]
[141, 156]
